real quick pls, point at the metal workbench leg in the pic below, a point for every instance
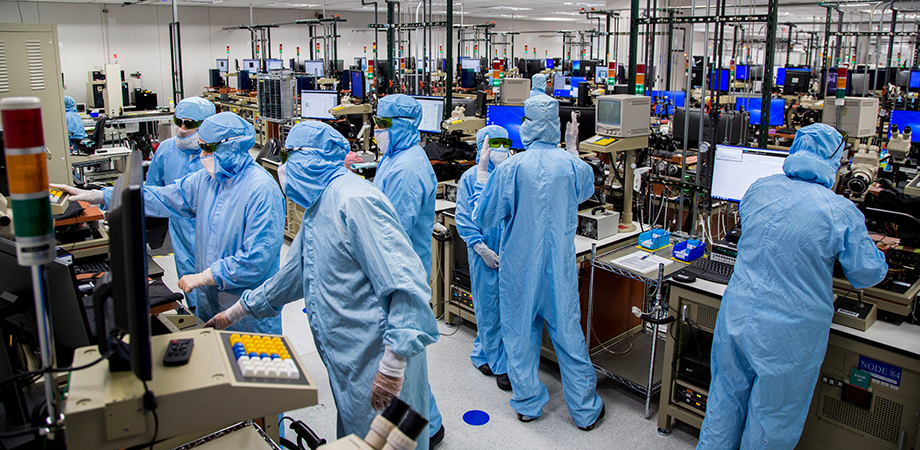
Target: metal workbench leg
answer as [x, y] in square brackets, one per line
[651, 367]
[590, 298]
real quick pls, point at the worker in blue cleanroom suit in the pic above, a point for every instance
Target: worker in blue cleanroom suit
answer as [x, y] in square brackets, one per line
[75, 130]
[538, 84]
[175, 158]
[239, 219]
[535, 196]
[406, 177]
[364, 287]
[482, 246]
[772, 329]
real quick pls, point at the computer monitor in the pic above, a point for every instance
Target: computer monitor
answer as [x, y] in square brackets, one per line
[600, 75]
[671, 98]
[567, 86]
[737, 168]
[432, 113]
[474, 64]
[831, 77]
[358, 85]
[316, 104]
[733, 126]
[549, 63]
[721, 77]
[576, 68]
[756, 73]
[274, 64]
[903, 79]
[754, 105]
[914, 80]
[796, 82]
[70, 323]
[216, 79]
[696, 77]
[905, 119]
[860, 83]
[588, 68]
[741, 73]
[223, 65]
[780, 73]
[128, 261]
[622, 115]
[252, 65]
[534, 66]
[361, 62]
[586, 120]
[509, 118]
[314, 67]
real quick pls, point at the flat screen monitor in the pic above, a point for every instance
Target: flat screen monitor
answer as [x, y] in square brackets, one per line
[432, 113]
[722, 77]
[534, 66]
[567, 86]
[754, 105]
[586, 120]
[314, 67]
[252, 65]
[576, 68]
[274, 64]
[467, 78]
[831, 80]
[549, 63]
[509, 118]
[600, 75]
[906, 119]
[361, 62]
[781, 74]
[796, 82]
[223, 65]
[860, 83]
[358, 86]
[316, 104]
[915, 79]
[737, 168]
[671, 99]
[903, 79]
[741, 73]
[473, 64]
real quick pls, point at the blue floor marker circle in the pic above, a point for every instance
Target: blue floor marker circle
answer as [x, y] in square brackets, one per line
[476, 418]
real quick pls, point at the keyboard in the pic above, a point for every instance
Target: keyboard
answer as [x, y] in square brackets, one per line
[92, 267]
[707, 269]
[261, 357]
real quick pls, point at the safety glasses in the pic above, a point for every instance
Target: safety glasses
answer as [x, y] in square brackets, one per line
[189, 124]
[285, 153]
[387, 122]
[843, 144]
[499, 143]
[212, 147]
[525, 119]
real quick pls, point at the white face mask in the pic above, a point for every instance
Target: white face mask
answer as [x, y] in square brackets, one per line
[383, 140]
[282, 177]
[208, 163]
[187, 139]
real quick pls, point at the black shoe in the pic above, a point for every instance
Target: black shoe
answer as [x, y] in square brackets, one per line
[599, 417]
[526, 419]
[503, 382]
[437, 438]
[486, 370]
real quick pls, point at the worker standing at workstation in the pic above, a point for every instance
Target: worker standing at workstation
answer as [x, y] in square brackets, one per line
[75, 130]
[535, 196]
[173, 159]
[488, 353]
[538, 85]
[405, 176]
[239, 219]
[365, 292]
[772, 330]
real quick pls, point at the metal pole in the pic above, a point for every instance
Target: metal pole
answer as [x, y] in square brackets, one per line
[633, 45]
[767, 89]
[894, 23]
[651, 366]
[391, 46]
[448, 94]
[591, 297]
[46, 340]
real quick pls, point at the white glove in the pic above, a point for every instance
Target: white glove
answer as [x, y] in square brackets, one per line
[389, 379]
[94, 197]
[189, 283]
[488, 256]
[482, 169]
[228, 317]
[571, 135]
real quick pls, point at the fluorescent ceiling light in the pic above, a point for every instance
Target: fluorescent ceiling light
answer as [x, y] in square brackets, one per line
[566, 13]
[510, 8]
[513, 16]
[587, 5]
[556, 19]
[294, 5]
[851, 4]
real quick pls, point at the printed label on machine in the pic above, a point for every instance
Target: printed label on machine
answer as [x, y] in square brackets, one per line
[880, 371]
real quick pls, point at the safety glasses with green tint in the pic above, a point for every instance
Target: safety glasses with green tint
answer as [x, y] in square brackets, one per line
[212, 147]
[525, 119]
[387, 122]
[499, 142]
[189, 124]
[285, 153]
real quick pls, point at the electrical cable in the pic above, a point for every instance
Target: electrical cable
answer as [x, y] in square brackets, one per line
[150, 403]
[59, 370]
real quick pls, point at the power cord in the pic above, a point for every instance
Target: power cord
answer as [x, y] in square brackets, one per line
[150, 403]
[58, 370]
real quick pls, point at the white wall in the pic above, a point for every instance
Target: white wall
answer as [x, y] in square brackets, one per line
[139, 36]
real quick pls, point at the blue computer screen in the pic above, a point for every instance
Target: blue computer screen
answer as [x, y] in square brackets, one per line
[781, 75]
[906, 119]
[509, 118]
[659, 98]
[549, 63]
[723, 81]
[357, 84]
[915, 79]
[576, 67]
[754, 106]
[567, 86]
[741, 73]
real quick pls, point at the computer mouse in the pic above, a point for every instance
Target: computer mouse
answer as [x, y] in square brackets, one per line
[685, 277]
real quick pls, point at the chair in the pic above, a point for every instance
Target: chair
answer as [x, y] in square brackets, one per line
[271, 149]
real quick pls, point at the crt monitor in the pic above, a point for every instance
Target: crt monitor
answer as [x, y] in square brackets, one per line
[223, 65]
[737, 168]
[721, 77]
[622, 116]
[796, 82]
[905, 119]
[128, 261]
[432, 113]
[316, 104]
[509, 118]
[754, 105]
[914, 80]
[741, 73]
[252, 65]
[358, 85]
[273, 64]
[314, 67]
